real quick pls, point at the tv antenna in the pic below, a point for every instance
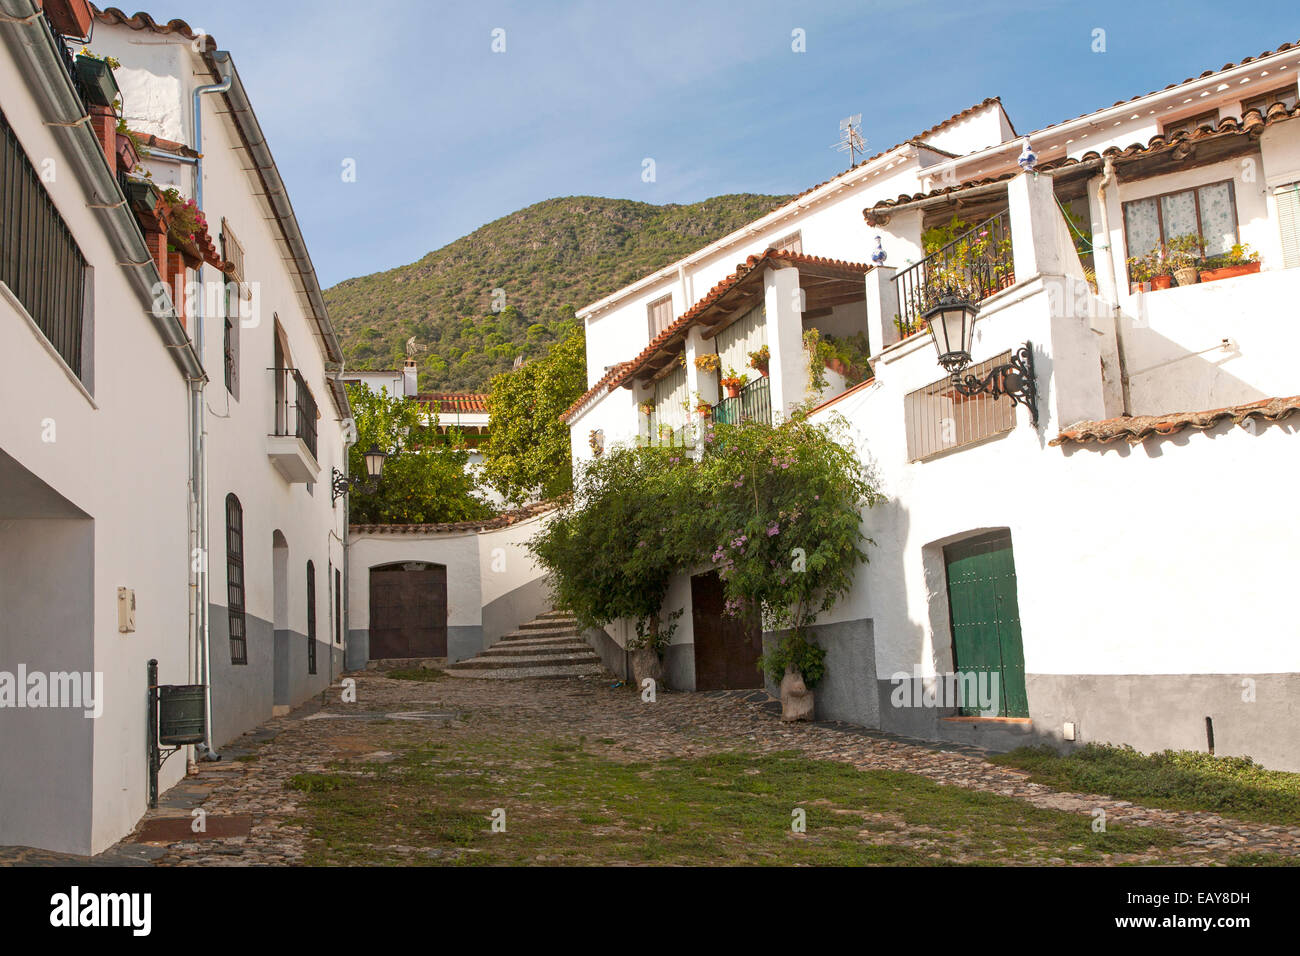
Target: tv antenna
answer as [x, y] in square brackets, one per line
[851, 140]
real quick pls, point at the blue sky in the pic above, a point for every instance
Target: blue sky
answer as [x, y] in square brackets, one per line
[447, 135]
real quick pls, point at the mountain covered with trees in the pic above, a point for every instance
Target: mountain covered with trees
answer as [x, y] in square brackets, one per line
[510, 288]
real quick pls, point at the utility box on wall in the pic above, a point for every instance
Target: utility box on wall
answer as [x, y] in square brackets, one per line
[125, 610]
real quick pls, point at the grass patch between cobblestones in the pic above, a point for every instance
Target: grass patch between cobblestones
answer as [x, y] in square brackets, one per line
[1172, 780]
[565, 803]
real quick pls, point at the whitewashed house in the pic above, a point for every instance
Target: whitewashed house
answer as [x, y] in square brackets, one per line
[165, 464]
[1110, 547]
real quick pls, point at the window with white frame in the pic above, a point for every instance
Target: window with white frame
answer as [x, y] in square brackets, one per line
[1288, 216]
[1209, 211]
[1286, 95]
[1192, 122]
[660, 313]
[791, 243]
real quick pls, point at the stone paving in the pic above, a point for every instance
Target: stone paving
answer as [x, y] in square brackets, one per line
[250, 780]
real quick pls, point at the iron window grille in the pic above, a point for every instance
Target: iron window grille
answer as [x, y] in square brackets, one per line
[235, 580]
[296, 415]
[40, 261]
[939, 418]
[311, 618]
[975, 265]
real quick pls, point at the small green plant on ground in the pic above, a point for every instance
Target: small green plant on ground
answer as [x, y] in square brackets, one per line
[1172, 779]
[426, 674]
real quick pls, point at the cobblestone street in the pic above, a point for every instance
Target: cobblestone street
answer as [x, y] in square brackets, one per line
[246, 794]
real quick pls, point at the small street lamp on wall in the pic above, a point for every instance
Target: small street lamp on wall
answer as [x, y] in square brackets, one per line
[374, 457]
[952, 328]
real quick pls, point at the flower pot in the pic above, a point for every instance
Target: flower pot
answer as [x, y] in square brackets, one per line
[1228, 272]
[96, 79]
[1161, 282]
[762, 370]
[796, 699]
[1186, 275]
[838, 366]
[127, 155]
[732, 391]
[69, 17]
[646, 663]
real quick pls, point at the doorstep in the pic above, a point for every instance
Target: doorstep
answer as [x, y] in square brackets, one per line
[987, 720]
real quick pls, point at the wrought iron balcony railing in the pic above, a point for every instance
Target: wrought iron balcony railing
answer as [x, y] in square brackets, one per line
[753, 404]
[295, 408]
[975, 265]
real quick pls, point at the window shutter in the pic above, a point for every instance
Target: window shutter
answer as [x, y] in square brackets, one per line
[1288, 215]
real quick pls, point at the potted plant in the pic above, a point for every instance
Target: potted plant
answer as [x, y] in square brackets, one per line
[709, 362]
[733, 383]
[702, 408]
[70, 18]
[1139, 272]
[798, 665]
[1184, 255]
[760, 359]
[647, 408]
[95, 74]
[1240, 260]
[1160, 270]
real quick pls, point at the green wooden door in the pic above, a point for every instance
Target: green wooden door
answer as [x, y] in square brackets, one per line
[985, 616]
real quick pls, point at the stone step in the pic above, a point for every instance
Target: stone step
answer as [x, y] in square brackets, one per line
[548, 623]
[545, 660]
[537, 634]
[529, 673]
[529, 648]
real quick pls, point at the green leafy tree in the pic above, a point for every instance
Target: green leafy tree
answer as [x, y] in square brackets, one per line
[527, 452]
[776, 510]
[425, 481]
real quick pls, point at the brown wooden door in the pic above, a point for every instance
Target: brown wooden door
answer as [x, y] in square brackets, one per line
[726, 648]
[408, 611]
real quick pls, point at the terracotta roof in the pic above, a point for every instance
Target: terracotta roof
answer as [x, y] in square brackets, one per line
[455, 401]
[600, 388]
[749, 267]
[1139, 428]
[151, 142]
[503, 520]
[142, 21]
[1191, 79]
[1250, 124]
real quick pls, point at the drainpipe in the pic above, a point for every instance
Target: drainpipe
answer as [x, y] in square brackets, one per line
[199, 442]
[1107, 284]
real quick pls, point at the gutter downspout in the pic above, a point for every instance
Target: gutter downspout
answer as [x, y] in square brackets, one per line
[199, 443]
[1108, 285]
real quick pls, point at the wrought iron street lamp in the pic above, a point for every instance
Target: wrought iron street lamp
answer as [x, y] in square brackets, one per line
[374, 457]
[952, 327]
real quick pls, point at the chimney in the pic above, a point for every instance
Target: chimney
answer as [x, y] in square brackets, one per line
[104, 122]
[410, 378]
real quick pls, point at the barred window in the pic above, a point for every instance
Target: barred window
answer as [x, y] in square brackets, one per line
[939, 418]
[311, 618]
[235, 580]
[40, 262]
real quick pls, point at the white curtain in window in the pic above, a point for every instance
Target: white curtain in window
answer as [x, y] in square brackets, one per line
[670, 392]
[1179, 211]
[1218, 218]
[1141, 226]
[735, 342]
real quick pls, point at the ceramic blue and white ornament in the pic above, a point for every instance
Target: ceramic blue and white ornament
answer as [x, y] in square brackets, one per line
[879, 255]
[1028, 158]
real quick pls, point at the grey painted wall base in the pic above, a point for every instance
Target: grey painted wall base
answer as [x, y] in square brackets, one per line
[515, 607]
[679, 667]
[1155, 712]
[848, 690]
[607, 649]
[357, 651]
[463, 642]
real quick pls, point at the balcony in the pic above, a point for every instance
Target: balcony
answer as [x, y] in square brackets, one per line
[975, 265]
[292, 444]
[752, 404]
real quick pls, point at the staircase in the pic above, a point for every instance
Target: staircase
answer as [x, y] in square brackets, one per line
[547, 646]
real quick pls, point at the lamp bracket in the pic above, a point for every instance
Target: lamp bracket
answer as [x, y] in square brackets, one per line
[1021, 388]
